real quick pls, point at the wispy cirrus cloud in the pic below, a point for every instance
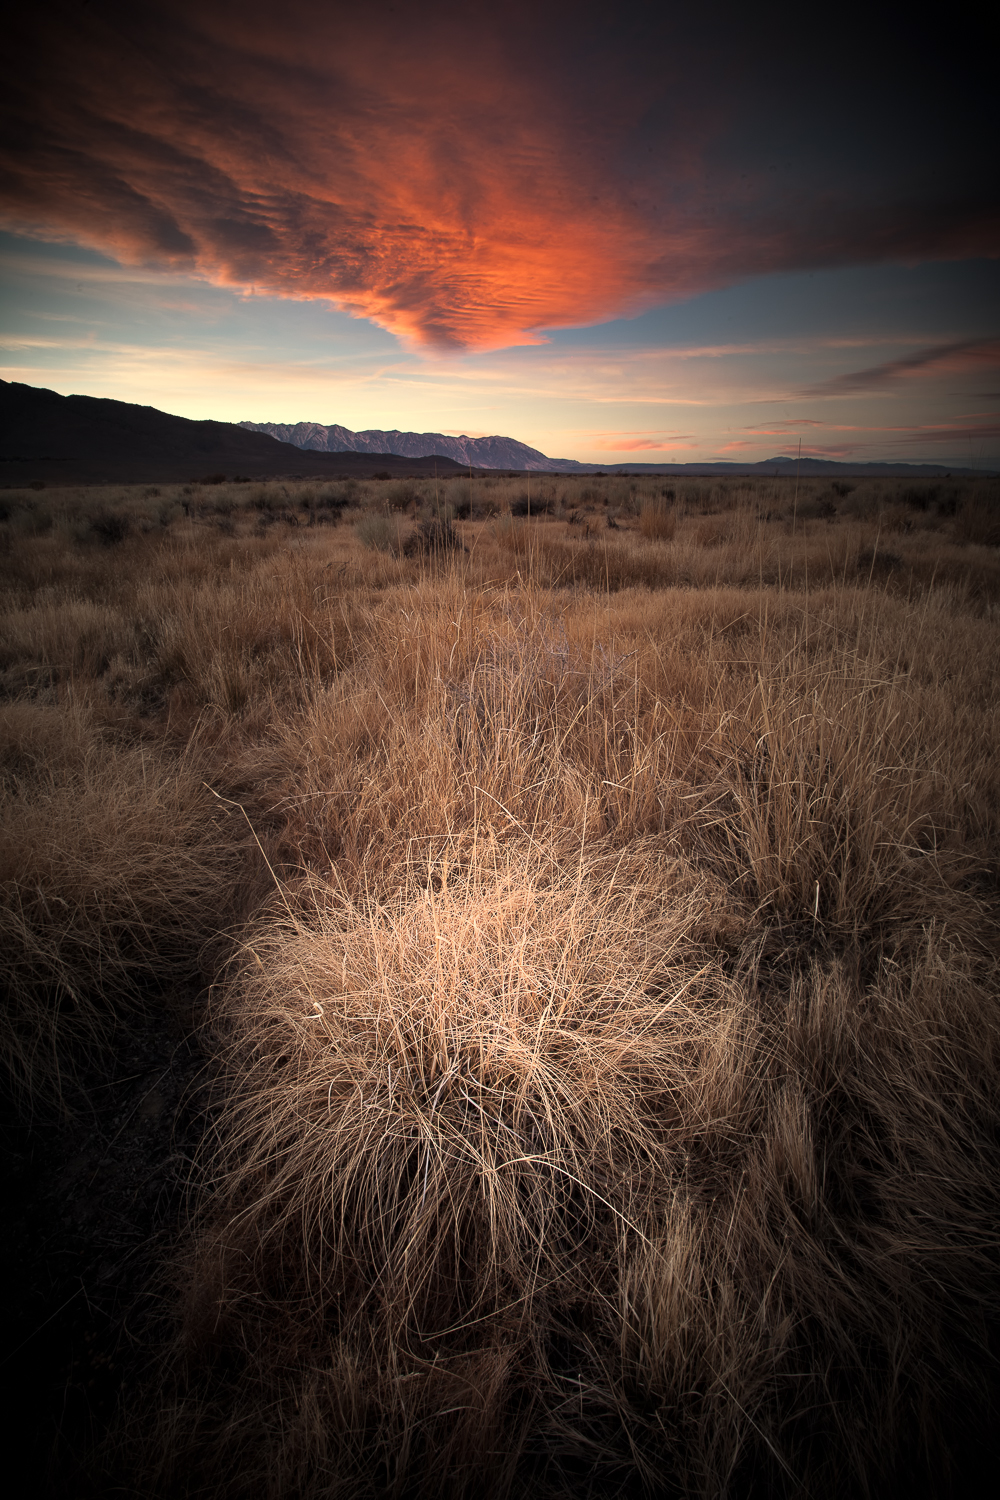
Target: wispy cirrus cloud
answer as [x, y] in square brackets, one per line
[974, 430]
[465, 181]
[960, 358]
[850, 440]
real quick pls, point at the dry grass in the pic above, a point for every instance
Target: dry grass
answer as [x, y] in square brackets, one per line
[658, 519]
[112, 858]
[609, 1071]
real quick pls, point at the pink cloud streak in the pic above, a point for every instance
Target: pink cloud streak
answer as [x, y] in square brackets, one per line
[611, 444]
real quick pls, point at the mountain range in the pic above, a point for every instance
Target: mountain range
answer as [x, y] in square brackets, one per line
[475, 453]
[508, 453]
[53, 439]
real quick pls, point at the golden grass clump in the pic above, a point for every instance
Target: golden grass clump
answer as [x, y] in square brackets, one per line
[658, 519]
[522, 1178]
[475, 1076]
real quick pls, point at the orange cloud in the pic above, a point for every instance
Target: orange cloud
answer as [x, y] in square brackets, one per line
[463, 182]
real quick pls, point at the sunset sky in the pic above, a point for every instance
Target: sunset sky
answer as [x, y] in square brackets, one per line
[643, 233]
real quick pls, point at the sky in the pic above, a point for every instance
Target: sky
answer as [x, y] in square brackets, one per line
[649, 233]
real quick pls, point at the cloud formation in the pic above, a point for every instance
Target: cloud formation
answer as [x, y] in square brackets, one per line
[939, 359]
[469, 182]
[851, 439]
[613, 444]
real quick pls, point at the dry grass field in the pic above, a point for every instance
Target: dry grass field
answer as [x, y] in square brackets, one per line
[593, 896]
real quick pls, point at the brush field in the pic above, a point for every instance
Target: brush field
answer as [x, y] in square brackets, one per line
[590, 895]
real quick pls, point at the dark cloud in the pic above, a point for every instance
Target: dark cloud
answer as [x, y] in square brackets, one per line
[940, 359]
[952, 433]
[469, 181]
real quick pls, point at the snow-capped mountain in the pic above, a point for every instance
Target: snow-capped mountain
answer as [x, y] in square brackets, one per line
[480, 453]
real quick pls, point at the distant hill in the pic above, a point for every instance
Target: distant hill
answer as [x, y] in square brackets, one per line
[89, 440]
[476, 453]
[789, 466]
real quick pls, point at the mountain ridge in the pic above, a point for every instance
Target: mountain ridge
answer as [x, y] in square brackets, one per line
[56, 439]
[494, 452]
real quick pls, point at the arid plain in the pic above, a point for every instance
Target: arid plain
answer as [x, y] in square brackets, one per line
[584, 899]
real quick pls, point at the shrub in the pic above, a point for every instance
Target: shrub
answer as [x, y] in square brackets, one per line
[401, 493]
[378, 532]
[268, 497]
[332, 497]
[110, 529]
[878, 562]
[658, 521]
[712, 532]
[433, 536]
[978, 519]
[460, 498]
[34, 522]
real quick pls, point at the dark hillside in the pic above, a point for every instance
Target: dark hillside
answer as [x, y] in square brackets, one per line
[86, 440]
